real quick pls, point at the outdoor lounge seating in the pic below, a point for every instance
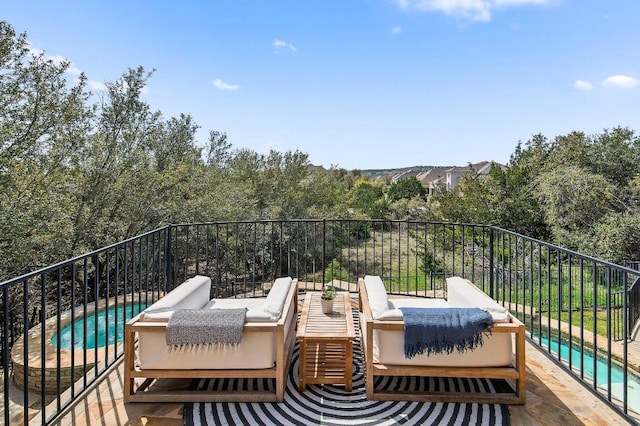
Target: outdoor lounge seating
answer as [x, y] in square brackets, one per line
[264, 352]
[382, 331]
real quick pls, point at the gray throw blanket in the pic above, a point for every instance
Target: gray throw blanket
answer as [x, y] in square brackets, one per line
[441, 330]
[205, 328]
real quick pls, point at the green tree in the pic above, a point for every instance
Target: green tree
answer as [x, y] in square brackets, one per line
[219, 152]
[514, 200]
[406, 188]
[615, 154]
[273, 182]
[574, 201]
[116, 173]
[335, 271]
[412, 209]
[470, 202]
[616, 237]
[43, 125]
[570, 150]
[325, 194]
[368, 197]
[174, 143]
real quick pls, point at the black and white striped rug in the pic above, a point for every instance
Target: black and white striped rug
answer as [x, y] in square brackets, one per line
[331, 405]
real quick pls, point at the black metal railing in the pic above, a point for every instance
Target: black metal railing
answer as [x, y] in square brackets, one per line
[633, 294]
[567, 300]
[577, 308]
[56, 353]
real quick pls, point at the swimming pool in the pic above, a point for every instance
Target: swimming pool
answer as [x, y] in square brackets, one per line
[602, 368]
[110, 327]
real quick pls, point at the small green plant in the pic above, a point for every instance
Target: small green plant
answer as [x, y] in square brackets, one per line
[328, 293]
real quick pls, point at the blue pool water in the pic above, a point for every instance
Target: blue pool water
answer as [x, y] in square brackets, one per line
[617, 385]
[106, 331]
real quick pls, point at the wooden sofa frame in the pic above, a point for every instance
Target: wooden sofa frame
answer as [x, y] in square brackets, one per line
[516, 372]
[279, 372]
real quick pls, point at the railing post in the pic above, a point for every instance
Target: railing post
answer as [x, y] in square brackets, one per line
[491, 262]
[169, 260]
[324, 248]
[6, 331]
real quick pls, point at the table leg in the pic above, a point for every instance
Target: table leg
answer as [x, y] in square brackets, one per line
[348, 368]
[302, 365]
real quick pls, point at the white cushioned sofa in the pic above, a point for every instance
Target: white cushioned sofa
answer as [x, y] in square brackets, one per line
[502, 356]
[268, 336]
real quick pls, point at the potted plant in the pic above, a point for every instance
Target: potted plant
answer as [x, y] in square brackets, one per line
[328, 294]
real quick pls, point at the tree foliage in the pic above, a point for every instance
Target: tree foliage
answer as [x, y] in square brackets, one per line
[368, 197]
[576, 188]
[81, 170]
[616, 237]
[407, 189]
[574, 201]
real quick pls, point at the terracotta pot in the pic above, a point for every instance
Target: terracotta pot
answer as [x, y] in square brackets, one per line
[327, 306]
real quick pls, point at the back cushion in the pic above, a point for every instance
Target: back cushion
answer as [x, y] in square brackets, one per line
[274, 303]
[462, 293]
[377, 294]
[191, 294]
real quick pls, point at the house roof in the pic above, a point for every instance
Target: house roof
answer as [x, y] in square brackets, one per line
[481, 168]
[403, 175]
[433, 174]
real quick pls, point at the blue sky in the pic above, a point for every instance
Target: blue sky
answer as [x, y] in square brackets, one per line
[362, 83]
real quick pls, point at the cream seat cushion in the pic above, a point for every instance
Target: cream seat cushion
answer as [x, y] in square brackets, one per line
[255, 308]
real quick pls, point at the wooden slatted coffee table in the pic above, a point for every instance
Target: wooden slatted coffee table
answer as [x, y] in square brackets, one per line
[326, 342]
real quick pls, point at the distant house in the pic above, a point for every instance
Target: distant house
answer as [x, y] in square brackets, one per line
[432, 178]
[447, 177]
[403, 175]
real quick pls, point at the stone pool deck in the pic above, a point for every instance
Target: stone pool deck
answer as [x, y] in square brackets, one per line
[37, 367]
[553, 398]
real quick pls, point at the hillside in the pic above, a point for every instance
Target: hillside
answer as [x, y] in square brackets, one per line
[382, 172]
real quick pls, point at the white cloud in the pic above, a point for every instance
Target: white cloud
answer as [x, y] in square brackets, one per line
[281, 44]
[33, 50]
[475, 10]
[97, 86]
[59, 59]
[73, 70]
[56, 59]
[583, 86]
[221, 85]
[396, 30]
[500, 3]
[620, 81]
